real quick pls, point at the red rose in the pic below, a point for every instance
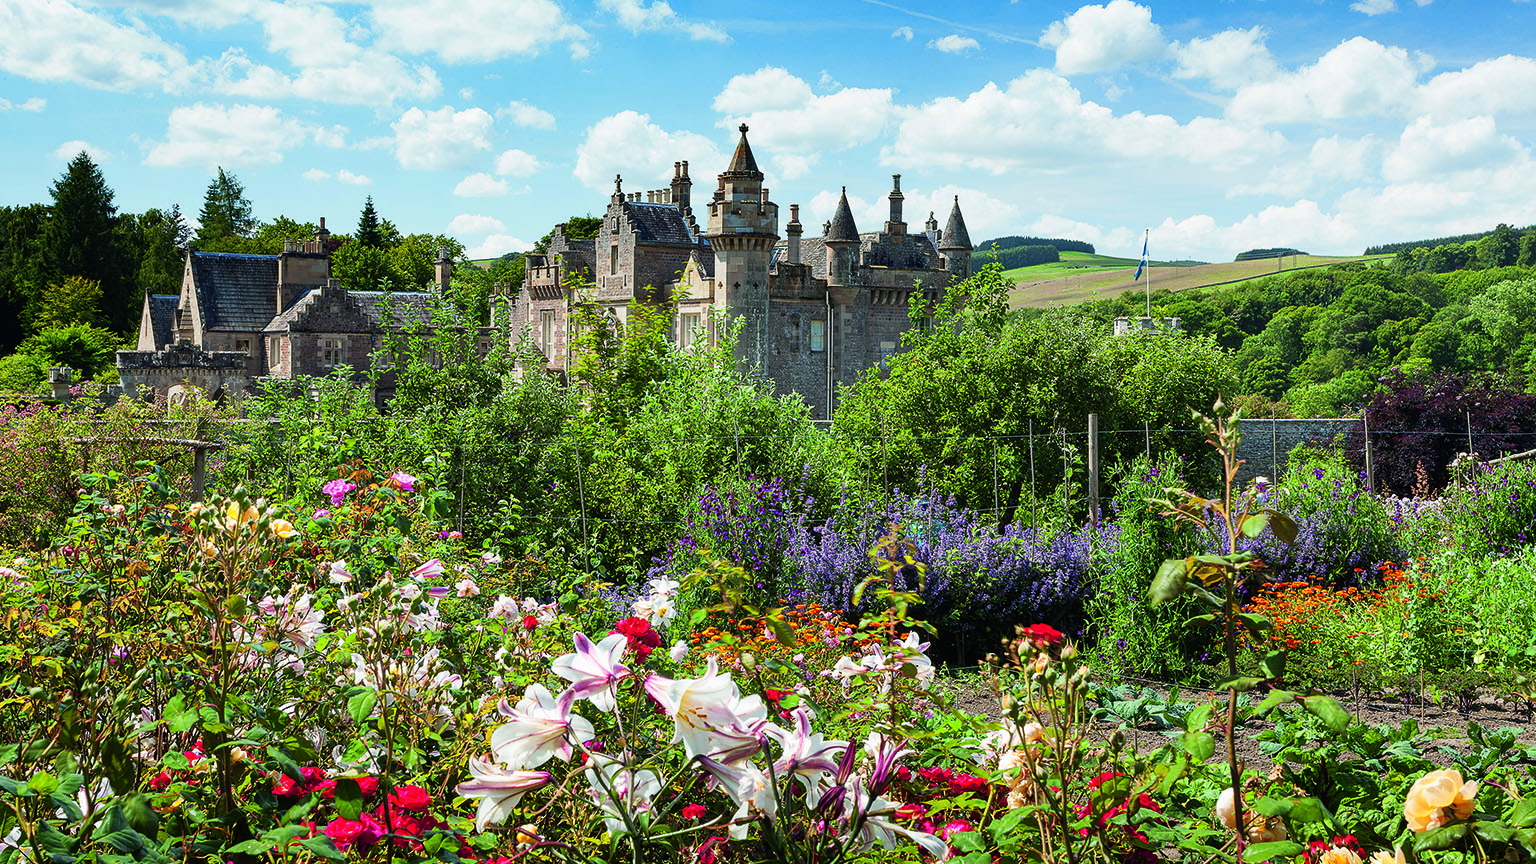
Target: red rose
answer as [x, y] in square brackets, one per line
[773, 695]
[413, 798]
[344, 832]
[285, 787]
[693, 811]
[1041, 635]
[530, 623]
[642, 639]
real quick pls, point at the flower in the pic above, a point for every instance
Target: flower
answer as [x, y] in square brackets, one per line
[540, 726]
[593, 670]
[344, 832]
[340, 573]
[404, 481]
[530, 623]
[805, 753]
[321, 514]
[282, 528]
[620, 790]
[878, 827]
[338, 490]
[412, 798]
[498, 789]
[1384, 857]
[678, 651]
[640, 637]
[430, 568]
[1437, 798]
[1258, 829]
[467, 588]
[1339, 855]
[1041, 635]
[504, 607]
[692, 812]
[710, 716]
[750, 790]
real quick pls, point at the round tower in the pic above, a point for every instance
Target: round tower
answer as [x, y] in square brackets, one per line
[842, 242]
[955, 244]
[743, 226]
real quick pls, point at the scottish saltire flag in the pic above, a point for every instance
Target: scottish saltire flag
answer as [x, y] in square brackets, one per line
[1143, 264]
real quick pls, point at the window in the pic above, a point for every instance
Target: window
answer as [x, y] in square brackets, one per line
[243, 346]
[331, 351]
[274, 352]
[688, 324]
[547, 331]
[818, 335]
[613, 260]
[887, 351]
[794, 333]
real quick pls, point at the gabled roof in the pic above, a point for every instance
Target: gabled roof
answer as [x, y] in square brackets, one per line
[410, 307]
[743, 166]
[162, 317]
[658, 223]
[843, 230]
[235, 292]
[955, 235]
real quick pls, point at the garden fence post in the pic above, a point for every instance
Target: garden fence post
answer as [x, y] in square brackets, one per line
[1469, 434]
[1032, 498]
[1370, 472]
[1093, 470]
[462, 470]
[996, 512]
[199, 471]
[581, 497]
[1146, 426]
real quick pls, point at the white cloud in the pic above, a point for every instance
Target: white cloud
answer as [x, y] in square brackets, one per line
[794, 124]
[1503, 84]
[1101, 38]
[342, 176]
[954, 43]
[211, 135]
[54, 40]
[527, 116]
[476, 31]
[1041, 120]
[1427, 151]
[497, 245]
[1357, 78]
[517, 163]
[1330, 160]
[1228, 60]
[474, 224]
[480, 185]
[69, 149]
[466, 93]
[637, 15]
[903, 33]
[443, 138]
[35, 104]
[629, 143]
[1375, 7]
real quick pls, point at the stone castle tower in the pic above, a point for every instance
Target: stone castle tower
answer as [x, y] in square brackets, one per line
[742, 229]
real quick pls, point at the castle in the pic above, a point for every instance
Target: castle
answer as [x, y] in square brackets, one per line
[815, 312]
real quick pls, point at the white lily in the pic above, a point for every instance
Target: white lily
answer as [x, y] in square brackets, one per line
[540, 726]
[877, 826]
[750, 790]
[710, 716]
[619, 789]
[594, 670]
[498, 789]
[805, 753]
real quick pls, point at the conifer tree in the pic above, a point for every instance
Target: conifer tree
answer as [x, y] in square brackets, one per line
[226, 211]
[81, 239]
[368, 233]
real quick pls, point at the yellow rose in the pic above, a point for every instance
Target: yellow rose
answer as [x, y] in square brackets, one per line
[1388, 858]
[1339, 855]
[1436, 798]
[283, 528]
[527, 835]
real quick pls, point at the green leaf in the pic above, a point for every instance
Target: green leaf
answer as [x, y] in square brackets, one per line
[1200, 745]
[1240, 683]
[43, 783]
[1256, 623]
[1441, 838]
[1524, 814]
[176, 760]
[968, 841]
[1283, 527]
[349, 799]
[1274, 664]
[1200, 620]
[1197, 717]
[1275, 699]
[1169, 582]
[322, 846]
[8, 753]
[1254, 524]
[1493, 832]
[1268, 806]
[1272, 851]
[1328, 710]
[126, 841]
[360, 706]
[782, 632]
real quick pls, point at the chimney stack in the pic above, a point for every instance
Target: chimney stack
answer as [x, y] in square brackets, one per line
[896, 226]
[444, 268]
[792, 231]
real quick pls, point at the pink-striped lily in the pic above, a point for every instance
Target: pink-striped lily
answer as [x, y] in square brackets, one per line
[710, 716]
[498, 788]
[806, 753]
[540, 726]
[593, 670]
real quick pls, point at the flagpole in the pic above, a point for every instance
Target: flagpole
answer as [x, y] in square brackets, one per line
[1144, 240]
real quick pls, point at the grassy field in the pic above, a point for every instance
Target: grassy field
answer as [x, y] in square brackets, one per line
[1038, 286]
[1074, 264]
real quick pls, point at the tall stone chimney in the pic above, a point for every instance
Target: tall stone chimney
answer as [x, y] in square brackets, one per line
[895, 226]
[682, 187]
[792, 231]
[444, 269]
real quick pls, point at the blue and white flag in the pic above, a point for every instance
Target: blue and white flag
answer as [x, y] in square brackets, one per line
[1143, 264]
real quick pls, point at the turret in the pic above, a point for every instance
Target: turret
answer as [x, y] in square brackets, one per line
[743, 225]
[955, 244]
[842, 242]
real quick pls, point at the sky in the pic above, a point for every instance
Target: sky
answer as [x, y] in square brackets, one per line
[1324, 125]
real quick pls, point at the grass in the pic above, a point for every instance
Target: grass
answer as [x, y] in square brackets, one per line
[1092, 280]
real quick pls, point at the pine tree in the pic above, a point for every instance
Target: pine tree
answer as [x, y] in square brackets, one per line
[226, 211]
[368, 226]
[81, 240]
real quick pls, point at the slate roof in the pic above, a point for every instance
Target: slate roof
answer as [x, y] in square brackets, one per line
[658, 223]
[843, 228]
[955, 235]
[162, 317]
[913, 252]
[409, 306]
[813, 252]
[235, 292]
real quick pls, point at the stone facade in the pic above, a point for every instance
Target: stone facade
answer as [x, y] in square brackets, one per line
[814, 312]
[1267, 441]
[273, 316]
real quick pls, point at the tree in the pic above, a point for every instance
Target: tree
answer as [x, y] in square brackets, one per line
[1505, 311]
[1499, 248]
[83, 348]
[368, 227]
[576, 228]
[81, 239]
[158, 240]
[226, 211]
[76, 300]
[23, 270]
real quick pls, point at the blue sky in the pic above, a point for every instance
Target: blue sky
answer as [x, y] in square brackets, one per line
[1325, 125]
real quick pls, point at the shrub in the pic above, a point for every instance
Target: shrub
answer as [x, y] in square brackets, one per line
[1495, 513]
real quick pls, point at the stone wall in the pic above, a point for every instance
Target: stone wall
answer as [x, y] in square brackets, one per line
[1266, 441]
[146, 373]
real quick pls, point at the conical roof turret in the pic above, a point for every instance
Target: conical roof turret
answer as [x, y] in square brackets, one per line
[955, 235]
[842, 229]
[743, 166]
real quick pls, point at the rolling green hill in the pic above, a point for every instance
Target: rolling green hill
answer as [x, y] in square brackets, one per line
[1101, 276]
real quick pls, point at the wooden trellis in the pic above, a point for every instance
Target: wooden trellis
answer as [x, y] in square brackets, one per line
[199, 454]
